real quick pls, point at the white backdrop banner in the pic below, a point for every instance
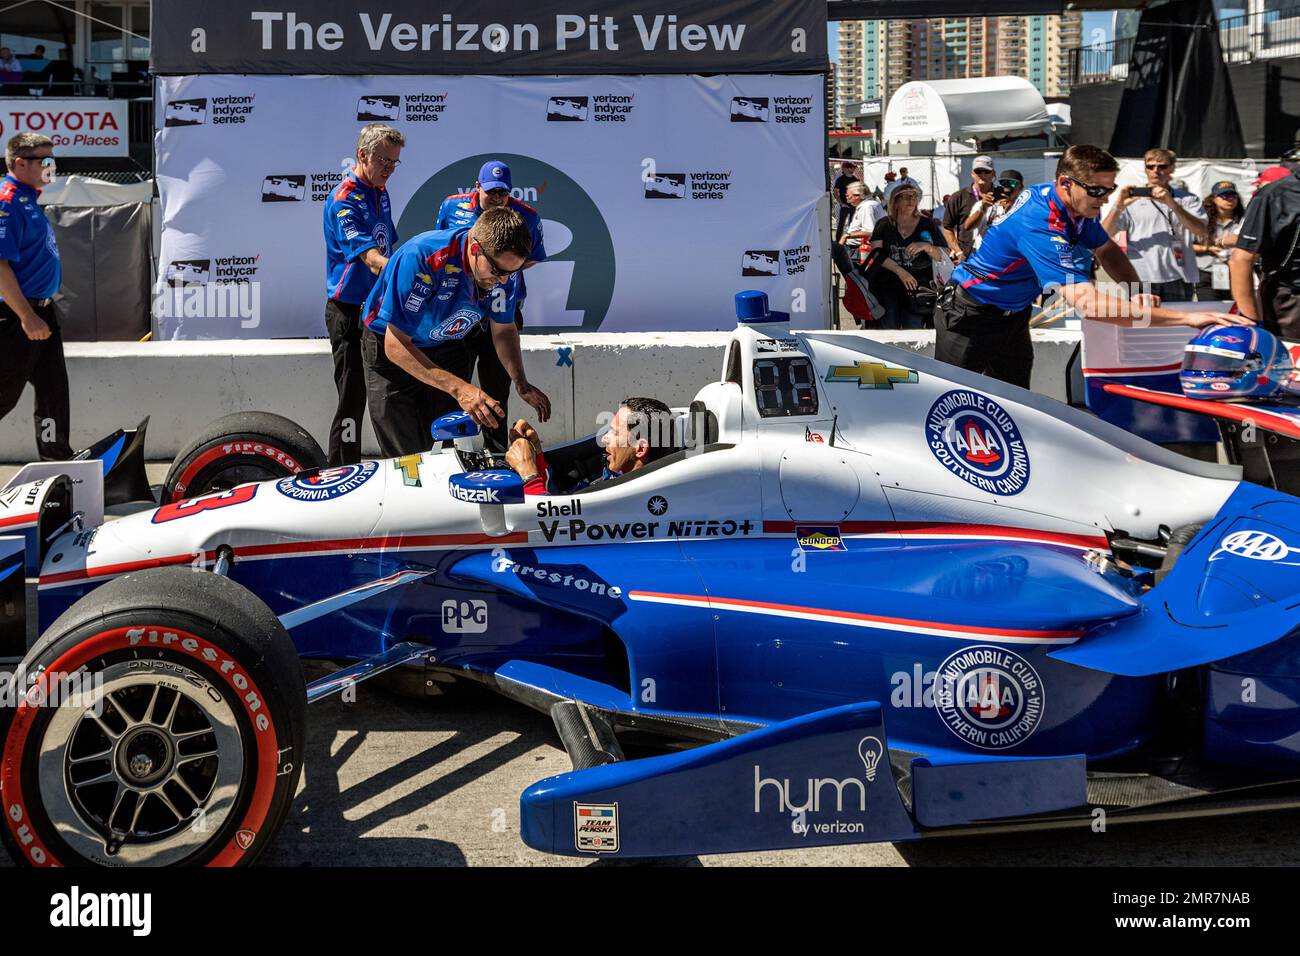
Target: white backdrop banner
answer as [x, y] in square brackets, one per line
[661, 196]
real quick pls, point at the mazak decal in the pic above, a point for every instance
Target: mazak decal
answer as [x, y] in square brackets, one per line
[989, 697]
[871, 375]
[595, 827]
[826, 538]
[327, 483]
[977, 440]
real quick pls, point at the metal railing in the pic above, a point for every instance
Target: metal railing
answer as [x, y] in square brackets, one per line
[1244, 39]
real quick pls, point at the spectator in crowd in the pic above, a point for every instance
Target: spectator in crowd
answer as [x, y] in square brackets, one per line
[841, 184]
[994, 205]
[1224, 211]
[1270, 237]
[958, 207]
[847, 254]
[866, 213]
[11, 71]
[908, 243]
[1162, 223]
[36, 62]
[937, 212]
[1270, 175]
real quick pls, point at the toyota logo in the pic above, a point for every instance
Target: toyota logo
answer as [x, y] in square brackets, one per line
[1256, 545]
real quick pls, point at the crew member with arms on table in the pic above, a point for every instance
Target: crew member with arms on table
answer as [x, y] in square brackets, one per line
[31, 344]
[359, 238]
[1046, 244]
[1270, 236]
[492, 191]
[431, 298]
[628, 444]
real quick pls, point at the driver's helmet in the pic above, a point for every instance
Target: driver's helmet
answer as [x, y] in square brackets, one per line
[1235, 361]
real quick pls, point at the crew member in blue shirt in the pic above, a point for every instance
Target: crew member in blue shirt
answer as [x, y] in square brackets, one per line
[1045, 246]
[31, 345]
[359, 238]
[492, 191]
[432, 299]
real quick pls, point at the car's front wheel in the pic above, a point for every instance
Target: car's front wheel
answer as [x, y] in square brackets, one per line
[165, 727]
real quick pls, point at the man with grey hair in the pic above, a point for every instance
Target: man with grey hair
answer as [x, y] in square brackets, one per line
[359, 238]
[31, 345]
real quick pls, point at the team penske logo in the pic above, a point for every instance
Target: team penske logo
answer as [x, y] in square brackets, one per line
[977, 440]
[327, 483]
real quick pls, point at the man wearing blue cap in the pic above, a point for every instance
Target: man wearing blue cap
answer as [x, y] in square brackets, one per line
[491, 191]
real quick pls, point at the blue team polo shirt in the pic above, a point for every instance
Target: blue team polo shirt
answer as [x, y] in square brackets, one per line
[1036, 245]
[27, 240]
[427, 292]
[463, 209]
[358, 217]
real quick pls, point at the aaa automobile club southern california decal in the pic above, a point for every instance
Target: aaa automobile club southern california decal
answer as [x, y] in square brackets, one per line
[327, 483]
[975, 439]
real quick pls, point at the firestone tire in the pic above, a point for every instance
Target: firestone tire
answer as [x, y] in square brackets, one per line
[238, 448]
[196, 751]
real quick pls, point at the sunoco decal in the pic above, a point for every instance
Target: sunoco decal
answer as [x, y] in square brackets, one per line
[975, 439]
[826, 538]
[989, 697]
[328, 483]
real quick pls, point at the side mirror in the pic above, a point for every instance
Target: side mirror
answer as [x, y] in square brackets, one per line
[491, 491]
[457, 427]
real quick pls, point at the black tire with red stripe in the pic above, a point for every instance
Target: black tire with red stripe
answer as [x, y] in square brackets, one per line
[238, 448]
[196, 752]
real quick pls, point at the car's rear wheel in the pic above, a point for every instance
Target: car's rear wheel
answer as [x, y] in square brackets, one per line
[166, 727]
[238, 448]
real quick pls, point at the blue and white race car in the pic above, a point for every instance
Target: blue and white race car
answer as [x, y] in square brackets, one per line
[871, 597]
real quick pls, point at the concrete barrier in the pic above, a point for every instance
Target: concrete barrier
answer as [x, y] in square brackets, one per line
[183, 385]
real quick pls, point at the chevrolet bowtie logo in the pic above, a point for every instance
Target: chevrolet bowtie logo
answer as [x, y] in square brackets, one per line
[871, 375]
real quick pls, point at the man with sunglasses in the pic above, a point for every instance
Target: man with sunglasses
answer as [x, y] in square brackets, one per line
[359, 238]
[1045, 244]
[1163, 224]
[31, 345]
[492, 191]
[431, 300]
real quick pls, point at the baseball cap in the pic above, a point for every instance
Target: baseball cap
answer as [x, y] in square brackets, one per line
[494, 175]
[982, 162]
[1222, 187]
[890, 176]
[1272, 175]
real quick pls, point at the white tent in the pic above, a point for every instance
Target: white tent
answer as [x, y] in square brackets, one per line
[943, 110]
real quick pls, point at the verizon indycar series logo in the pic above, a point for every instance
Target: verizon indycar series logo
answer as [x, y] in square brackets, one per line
[977, 440]
[566, 109]
[286, 188]
[187, 272]
[391, 108]
[989, 697]
[764, 109]
[215, 111]
[600, 108]
[665, 186]
[327, 483]
[775, 262]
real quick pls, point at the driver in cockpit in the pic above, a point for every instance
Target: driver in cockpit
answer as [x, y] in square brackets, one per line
[638, 434]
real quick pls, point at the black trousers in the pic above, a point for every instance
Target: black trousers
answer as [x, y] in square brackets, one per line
[40, 363]
[495, 380]
[402, 407]
[343, 319]
[983, 339]
[1281, 309]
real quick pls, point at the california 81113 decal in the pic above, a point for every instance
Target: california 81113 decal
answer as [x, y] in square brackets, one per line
[327, 483]
[977, 440]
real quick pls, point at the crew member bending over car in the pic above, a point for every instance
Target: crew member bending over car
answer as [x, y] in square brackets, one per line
[628, 444]
[431, 297]
[1046, 243]
[492, 191]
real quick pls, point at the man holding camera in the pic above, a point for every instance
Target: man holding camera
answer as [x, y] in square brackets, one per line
[1162, 223]
[961, 241]
[993, 206]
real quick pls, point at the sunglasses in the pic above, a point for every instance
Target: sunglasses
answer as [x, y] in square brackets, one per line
[494, 267]
[1158, 165]
[43, 160]
[1007, 183]
[1096, 192]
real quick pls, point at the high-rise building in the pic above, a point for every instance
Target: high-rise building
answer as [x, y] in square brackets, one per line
[879, 56]
[830, 97]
